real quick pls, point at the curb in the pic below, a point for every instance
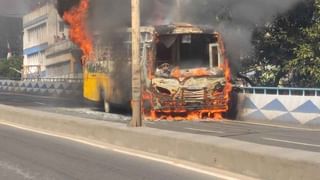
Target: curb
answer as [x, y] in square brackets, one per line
[258, 161]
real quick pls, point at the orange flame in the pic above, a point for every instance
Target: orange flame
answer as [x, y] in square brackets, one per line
[227, 74]
[227, 71]
[176, 73]
[78, 33]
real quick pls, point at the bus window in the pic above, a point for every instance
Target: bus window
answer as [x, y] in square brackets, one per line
[165, 50]
[91, 67]
[185, 51]
[214, 55]
[194, 50]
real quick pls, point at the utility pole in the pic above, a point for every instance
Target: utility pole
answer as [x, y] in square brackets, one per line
[178, 10]
[136, 72]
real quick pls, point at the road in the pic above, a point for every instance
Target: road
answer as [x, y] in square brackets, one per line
[274, 135]
[26, 155]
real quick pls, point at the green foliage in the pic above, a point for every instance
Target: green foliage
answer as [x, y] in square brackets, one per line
[9, 68]
[287, 50]
[305, 66]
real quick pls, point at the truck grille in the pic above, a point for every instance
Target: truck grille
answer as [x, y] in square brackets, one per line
[193, 95]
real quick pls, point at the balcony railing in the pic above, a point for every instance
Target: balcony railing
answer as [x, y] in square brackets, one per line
[64, 80]
[59, 47]
[281, 91]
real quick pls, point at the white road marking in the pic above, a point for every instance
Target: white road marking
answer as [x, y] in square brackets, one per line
[292, 142]
[149, 122]
[29, 95]
[204, 130]
[16, 169]
[172, 163]
[39, 103]
[273, 125]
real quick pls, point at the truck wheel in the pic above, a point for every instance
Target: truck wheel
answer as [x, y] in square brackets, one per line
[233, 106]
[106, 106]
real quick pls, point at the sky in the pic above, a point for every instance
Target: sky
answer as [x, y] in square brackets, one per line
[17, 8]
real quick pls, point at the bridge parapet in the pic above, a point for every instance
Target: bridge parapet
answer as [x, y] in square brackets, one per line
[280, 105]
[282, 91]
[57, 88]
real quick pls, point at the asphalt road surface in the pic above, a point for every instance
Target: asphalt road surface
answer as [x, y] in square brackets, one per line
[275, 135]
[26, 155]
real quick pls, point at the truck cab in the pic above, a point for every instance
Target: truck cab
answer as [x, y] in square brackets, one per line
[184, 72]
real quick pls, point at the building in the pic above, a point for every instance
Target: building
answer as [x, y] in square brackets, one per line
[47, 51]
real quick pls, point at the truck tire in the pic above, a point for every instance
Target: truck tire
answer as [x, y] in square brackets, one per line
[233, 107]
[106, 106]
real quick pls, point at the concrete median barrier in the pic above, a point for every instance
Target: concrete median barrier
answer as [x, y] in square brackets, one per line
[258, 161]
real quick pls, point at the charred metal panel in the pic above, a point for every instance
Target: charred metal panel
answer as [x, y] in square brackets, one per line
[178, 92]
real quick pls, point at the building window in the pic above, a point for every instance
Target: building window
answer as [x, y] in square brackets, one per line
[37, 58]
[37, 34]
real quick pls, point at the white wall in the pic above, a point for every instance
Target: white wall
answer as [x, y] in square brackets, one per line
[280, 108]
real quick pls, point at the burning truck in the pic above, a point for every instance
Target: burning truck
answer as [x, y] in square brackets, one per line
[184, 69]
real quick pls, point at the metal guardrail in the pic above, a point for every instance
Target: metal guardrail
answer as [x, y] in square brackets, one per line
[10, 79]
[281, 91]
[66, 80]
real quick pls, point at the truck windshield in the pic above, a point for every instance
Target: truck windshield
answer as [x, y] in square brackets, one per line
[185, 50]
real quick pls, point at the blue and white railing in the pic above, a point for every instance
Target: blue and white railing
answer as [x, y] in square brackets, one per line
[281, 91]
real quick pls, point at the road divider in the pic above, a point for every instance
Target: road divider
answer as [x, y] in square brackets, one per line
[293, 142]
[254, 160]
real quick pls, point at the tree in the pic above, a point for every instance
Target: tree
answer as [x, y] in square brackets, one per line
[9, 68]
[305, 66]
[277, 45]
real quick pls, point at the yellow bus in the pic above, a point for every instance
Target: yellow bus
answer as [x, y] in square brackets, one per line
[182, 70]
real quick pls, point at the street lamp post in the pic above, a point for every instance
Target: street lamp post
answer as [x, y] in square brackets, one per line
[136, 72]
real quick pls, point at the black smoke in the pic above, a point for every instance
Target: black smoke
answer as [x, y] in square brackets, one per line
[235, 19]
[18, 8]
[66, 5]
